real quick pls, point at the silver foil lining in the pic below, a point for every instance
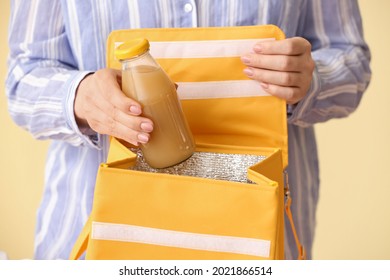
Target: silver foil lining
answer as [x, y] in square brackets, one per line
[218, 166]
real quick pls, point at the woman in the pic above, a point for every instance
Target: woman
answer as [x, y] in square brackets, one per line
[58, 88]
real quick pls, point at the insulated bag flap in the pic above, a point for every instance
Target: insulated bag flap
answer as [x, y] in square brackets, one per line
[221, 104]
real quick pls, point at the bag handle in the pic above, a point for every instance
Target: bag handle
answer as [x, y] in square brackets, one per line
[82, 241]
[287, 207]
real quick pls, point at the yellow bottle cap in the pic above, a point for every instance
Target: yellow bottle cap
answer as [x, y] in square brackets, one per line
[131, 48]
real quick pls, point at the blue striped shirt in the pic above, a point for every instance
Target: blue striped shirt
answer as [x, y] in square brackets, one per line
[55, 43]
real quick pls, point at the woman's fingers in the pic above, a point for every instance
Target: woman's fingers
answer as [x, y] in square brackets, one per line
[102, 105]
[107, 83]
[280, 78]
[290, 46]
[284, 68]
[273, 62]
[290, 94]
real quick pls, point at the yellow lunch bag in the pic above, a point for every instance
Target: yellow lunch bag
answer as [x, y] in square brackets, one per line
[139, 214]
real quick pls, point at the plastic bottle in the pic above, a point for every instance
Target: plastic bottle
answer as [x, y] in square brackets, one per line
[171, 141]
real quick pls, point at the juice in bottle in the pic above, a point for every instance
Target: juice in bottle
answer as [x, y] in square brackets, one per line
[171, 141]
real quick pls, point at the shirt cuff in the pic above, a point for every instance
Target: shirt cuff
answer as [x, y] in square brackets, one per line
[297, 113]
[86, 137]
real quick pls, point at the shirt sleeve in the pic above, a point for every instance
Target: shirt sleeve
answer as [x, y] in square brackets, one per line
[342, 58]
[43, 75]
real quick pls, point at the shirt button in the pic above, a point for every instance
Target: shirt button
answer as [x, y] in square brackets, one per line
[187, 7]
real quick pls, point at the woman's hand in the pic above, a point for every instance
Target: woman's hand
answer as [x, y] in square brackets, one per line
[101, 105]
[284, 68]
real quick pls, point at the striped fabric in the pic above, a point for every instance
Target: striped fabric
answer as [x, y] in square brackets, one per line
[55, 43]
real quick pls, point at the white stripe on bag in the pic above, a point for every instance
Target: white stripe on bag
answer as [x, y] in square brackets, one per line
[202, 49]
[220, 89]
[179, 239]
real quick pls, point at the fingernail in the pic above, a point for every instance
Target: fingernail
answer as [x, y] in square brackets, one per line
[245, 59]
[143, 138]
[248, 72]
[264, 85]
[147, 127]
[135, 110]
[257, 48]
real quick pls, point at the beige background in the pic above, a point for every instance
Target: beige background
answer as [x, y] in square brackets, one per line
[353, 215]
